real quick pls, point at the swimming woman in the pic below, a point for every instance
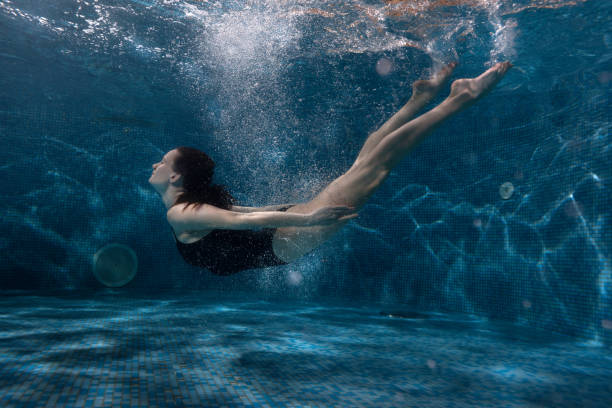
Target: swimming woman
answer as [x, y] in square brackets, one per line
[212, 233]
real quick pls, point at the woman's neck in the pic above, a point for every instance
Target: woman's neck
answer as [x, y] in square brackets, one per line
[170, 196]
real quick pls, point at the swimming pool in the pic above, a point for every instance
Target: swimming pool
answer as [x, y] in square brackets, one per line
[496, 230]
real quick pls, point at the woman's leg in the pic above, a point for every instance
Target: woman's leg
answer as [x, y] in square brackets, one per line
[423, 91]
[355, 186]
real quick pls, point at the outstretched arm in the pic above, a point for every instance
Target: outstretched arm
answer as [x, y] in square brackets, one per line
[205, 217]
[277, 207]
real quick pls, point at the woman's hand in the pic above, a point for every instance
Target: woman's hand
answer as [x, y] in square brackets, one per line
[331, 214]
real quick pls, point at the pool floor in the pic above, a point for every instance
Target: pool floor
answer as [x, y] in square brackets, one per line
[116, 349]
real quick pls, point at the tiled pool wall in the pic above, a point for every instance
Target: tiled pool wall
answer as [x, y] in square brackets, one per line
[443, 236]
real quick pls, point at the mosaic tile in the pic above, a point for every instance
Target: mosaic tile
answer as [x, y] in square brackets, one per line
[191, 350]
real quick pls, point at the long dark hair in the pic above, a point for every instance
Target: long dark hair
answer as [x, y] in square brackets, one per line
[197, 170]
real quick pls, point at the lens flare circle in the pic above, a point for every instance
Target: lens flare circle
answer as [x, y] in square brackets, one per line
[115, 265]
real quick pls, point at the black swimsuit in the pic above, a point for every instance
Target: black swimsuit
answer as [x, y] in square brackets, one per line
[225, 252]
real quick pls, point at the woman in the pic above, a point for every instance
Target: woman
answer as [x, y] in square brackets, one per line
[211, 232]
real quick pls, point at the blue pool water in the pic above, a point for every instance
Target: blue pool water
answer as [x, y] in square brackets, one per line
[496, 230]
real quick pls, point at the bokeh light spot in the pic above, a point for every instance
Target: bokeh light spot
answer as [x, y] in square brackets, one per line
[506, 190]
[384, 67]
[295, 278]
[115, 265]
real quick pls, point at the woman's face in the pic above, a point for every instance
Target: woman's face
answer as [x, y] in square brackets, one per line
[163, 172]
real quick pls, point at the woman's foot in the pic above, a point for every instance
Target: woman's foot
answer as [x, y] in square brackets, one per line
[470, 89]
[428, 88]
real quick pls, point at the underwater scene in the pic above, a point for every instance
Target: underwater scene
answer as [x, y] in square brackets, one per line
[419, 207]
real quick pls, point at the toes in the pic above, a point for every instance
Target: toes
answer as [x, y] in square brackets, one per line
[448, 68]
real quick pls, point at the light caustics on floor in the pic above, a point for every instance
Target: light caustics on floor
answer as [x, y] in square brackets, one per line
[108, 349]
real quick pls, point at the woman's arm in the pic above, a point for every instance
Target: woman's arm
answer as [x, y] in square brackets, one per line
[237, 208]
[277, 207]
[208, 217]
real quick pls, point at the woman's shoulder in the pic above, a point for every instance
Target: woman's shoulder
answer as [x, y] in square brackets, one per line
[177, 216]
